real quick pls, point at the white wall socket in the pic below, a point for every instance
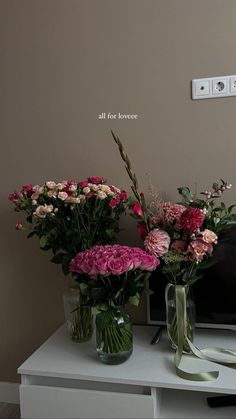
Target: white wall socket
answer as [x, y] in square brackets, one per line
[213, 87]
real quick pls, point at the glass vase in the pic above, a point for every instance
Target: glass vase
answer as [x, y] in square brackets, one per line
[79, 318]
[187, 321]
[114, 336]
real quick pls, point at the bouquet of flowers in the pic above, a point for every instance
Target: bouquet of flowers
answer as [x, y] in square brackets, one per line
[111, 276]
[184, 236]
[70, 216]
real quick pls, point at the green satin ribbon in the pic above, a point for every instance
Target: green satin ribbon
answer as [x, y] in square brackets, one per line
[180, 296]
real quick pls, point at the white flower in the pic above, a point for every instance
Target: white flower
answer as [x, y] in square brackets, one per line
[86, 190]
[101, 195]
[63, 196]
[52, 194]
[60, 186]
[51, 185]
[73, 187]
[42, 210]
[82, 197]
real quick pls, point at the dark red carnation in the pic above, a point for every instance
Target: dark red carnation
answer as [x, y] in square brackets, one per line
[191, 219]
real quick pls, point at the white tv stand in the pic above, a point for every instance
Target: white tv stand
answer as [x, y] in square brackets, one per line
[63, 379]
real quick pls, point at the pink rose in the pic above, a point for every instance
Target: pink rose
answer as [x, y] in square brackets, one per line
[101, 266]
[157, 242]
[149, 262]
[209, 236]
[116, 266]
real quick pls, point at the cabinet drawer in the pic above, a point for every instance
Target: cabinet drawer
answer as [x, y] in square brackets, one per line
[59, 402]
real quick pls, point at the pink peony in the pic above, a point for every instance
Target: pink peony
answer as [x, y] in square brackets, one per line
[172, 212]
[198, 249]
[191, 219]
[157, 242]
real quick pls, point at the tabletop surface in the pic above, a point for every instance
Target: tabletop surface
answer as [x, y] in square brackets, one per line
[149, 365]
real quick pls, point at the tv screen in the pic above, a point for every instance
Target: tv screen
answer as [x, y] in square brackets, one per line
[214, 293]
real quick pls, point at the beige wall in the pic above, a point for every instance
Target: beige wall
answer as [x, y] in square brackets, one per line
[62, 63]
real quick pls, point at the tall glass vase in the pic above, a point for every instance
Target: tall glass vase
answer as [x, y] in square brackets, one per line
[79, 319]
[180, 315]
[114, 336]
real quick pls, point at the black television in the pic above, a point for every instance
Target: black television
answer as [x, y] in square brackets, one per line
[214, 293]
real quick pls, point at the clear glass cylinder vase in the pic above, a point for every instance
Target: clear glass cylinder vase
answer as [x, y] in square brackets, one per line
[184, 321]
[79, 318]
[114, 335]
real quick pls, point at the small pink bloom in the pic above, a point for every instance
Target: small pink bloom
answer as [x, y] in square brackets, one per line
[157, 242]
[178, 246]
[96, 179]
[83, 184]
[18, 226]
[114, 202]
[27, 188]
[123, 195]
[136, 208]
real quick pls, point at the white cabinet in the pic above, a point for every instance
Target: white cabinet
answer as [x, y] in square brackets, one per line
[63, 379]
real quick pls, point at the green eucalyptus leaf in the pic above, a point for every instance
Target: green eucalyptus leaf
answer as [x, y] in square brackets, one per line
[186, 194]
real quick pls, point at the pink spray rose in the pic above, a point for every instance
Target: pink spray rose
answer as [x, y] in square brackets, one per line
[157, 242]
[209, 236]
[198, 249]
[96, 179]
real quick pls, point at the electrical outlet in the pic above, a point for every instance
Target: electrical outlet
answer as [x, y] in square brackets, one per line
[214, 87]
[232, 84]
[201, 88]
[219, 86]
